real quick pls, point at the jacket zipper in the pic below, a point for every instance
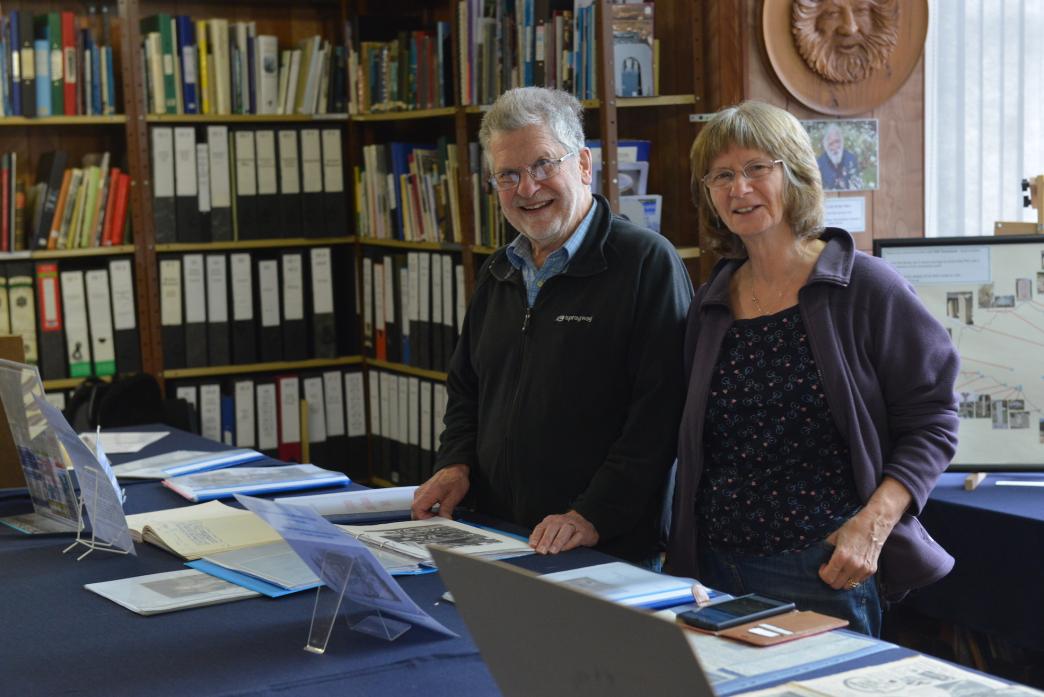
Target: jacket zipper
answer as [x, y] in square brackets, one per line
[521, 359]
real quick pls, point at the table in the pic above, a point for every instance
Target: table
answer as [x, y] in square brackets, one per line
[64, 639]
[996, 534]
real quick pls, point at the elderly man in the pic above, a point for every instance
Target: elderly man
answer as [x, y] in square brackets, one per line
[837, 165]
[566, 387]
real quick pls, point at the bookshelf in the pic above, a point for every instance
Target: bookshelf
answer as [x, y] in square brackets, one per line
[663, 120]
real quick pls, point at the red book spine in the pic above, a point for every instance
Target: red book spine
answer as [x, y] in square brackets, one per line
[71, 62]
[5, 207]
[110, 207]
[119, 217]
[50, 297]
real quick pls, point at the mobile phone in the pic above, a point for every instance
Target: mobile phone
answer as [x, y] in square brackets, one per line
[739, 610]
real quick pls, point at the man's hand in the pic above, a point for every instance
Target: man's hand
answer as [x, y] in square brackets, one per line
[563, 532]
[446, 488]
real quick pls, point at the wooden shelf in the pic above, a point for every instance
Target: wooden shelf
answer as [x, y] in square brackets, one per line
[220, 370]
[621, 102]
[77, 253]
[688, 252]
[407, 369]
[406, 115]
[245, 118]
[478, 249]
[381, 483]
[664, 100]
[70, 383]
[253, 244]
[112, 120]
[404, 244]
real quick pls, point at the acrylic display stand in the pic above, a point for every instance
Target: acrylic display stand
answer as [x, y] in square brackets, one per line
[330, 601]
[92, 543]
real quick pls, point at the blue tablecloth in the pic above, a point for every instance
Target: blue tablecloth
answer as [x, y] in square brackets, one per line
[61, 639]
[996, 534]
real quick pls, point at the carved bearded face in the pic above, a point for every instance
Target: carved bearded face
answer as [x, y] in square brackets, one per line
[845, 40]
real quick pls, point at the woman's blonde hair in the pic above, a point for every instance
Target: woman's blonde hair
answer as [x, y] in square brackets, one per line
[777, 133]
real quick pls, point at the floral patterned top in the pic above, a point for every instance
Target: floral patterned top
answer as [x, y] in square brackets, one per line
[778, 476]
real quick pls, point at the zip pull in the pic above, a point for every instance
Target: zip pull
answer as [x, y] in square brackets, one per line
[525, 320]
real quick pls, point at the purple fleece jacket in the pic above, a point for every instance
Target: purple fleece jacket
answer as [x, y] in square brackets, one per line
[888, 370]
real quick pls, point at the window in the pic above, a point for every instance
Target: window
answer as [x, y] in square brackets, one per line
[984, 113]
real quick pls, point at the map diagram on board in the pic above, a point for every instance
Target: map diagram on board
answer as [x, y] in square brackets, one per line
[989, 294]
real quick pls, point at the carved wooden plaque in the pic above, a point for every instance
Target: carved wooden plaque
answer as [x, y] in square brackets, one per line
[843, 57]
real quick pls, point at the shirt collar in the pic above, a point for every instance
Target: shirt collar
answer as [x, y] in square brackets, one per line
[520, 251]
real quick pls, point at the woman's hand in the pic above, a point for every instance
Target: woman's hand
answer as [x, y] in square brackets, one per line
[858, 543]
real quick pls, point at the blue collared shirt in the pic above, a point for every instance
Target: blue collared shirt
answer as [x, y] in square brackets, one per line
[520, 254]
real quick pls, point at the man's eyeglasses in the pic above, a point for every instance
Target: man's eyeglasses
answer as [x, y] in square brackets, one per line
[758, 169]
[540, 170]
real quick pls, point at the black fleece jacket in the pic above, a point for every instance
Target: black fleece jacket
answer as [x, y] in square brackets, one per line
[574, 403]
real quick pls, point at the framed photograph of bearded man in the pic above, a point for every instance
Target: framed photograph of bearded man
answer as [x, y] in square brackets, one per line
[847, 153]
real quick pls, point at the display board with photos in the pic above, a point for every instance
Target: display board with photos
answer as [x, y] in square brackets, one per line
[989, 294]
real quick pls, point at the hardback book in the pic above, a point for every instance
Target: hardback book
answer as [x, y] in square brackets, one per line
[225, 483]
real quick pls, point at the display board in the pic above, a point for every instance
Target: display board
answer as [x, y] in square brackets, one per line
[989, 294]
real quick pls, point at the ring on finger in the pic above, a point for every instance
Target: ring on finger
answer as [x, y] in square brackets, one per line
[852, 584]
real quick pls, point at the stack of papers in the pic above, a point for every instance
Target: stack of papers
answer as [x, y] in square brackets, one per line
[276, 570]
[180, 462]
[226, 483]
[192, 532]
[391, 503]
[169, 591]
[412, 537]
[625, 584]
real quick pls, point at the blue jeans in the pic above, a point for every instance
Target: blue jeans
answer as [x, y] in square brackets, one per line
[793, 576]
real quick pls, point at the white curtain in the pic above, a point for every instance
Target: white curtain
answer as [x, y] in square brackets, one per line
[984, 112]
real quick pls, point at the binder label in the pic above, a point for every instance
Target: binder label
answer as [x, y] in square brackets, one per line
[242, 288]
[267, 429]
[195, 294]
[293, 291]
[268, 280]
[170, 292]
[267, 181]
[313, 389]
[334, 403]
[322, 282]
[217, 288]
[244, 414]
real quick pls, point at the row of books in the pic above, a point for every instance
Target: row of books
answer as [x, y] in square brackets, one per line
[74, 321]
[406, 417]
[413, 71]
[408, 191]
[57, 63]
[216, 184]
[68, 207]
[240, 308]
[214, 66]
[413, 307]
[513, 43]
[265, 412]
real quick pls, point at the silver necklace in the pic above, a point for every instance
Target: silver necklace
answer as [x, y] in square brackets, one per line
[757, 303]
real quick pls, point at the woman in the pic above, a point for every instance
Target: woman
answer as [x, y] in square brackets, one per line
[820, 407]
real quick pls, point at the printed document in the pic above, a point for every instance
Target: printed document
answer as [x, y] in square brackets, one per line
[169, 591]
[918, 676]
[412, 538]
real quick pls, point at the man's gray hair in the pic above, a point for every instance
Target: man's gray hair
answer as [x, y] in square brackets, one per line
[558, 111]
